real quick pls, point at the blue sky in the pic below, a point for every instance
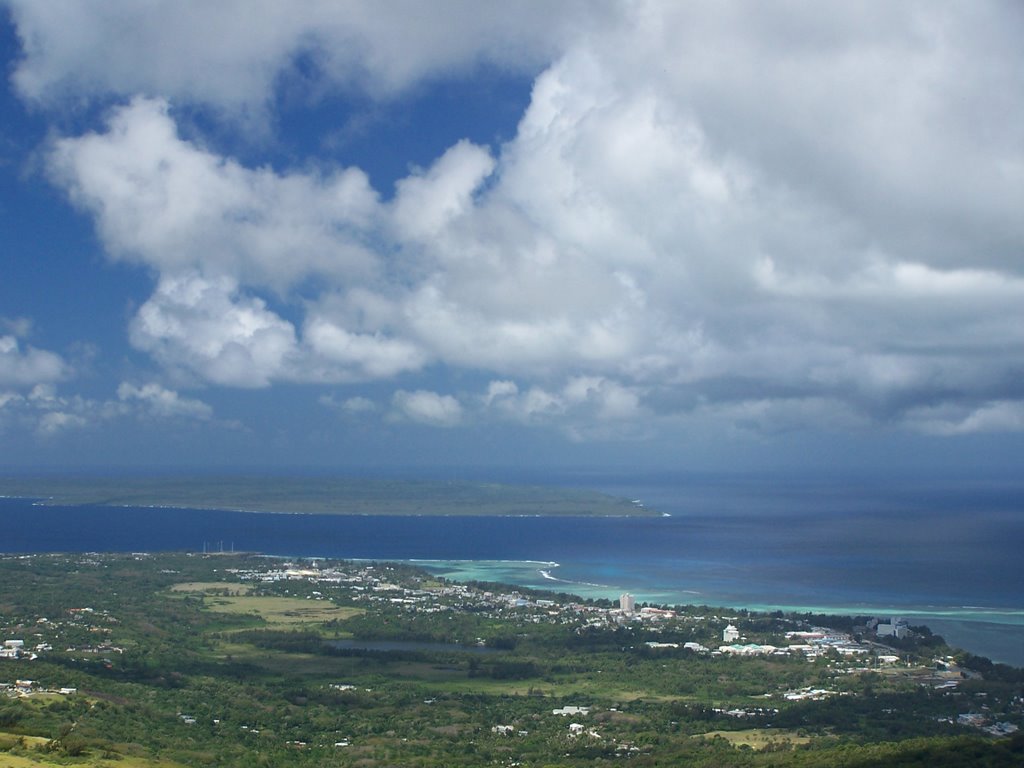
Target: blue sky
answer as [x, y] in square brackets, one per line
[691, 236]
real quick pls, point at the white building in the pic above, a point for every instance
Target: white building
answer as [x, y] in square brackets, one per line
[751, 649]
[627, 603]
[571, 710]
[895, 628]
[730, 634]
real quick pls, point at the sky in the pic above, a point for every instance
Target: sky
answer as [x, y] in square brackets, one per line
[698, 236]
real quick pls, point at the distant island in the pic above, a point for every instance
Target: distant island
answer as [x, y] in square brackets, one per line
[321, 495]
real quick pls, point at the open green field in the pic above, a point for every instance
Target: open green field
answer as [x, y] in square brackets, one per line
[759, 738]
[32, 754]
[93, 761]
[213, 588]
[290, 612]
[9, 739]
[320, 495]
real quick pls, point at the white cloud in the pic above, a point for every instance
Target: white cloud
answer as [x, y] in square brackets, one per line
[162, 402]
[878, 278]
[172, 205]
[53, 422]
[428, 202]
[47, 412]
[586, 407]
[499, 391]
[232, 53]
[359, 405]
[996, 416]
[26, 367]
[749, 213]
[351, 406]
[428, 407]
[205, 327]
[363, 355]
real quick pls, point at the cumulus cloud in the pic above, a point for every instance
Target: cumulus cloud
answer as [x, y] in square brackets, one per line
[427, 407]
[168, 203]
[47, 412]
[29, 377]
[428, 202]
[499, 390]
[52, 422]
[205, 327]
[24, 367]
[584, 407]
[232, 54]
[726, 210]
[363, 355]
[163, 402]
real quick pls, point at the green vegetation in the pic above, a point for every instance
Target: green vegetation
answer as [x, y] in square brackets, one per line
[282, 611]
[760, 738]
[160, 661]
[320, 495]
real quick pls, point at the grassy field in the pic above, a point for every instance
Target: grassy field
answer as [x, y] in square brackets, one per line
[212, 588]
[41, 761]
[8, 740]
[287, 612]
[31, 756]
[758, 738]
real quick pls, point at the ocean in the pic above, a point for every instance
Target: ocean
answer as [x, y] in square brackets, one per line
[948, 558]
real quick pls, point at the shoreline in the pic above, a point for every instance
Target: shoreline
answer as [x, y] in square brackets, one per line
[73, 503]
[991, 614]
[980, 630]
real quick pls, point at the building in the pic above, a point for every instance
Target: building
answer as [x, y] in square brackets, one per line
[751, 649]
[627, 603]
[730, 634]
[648, 612]
[571, 710]
[897, 628]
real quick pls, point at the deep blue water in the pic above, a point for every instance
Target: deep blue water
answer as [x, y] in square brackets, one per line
[951, 558]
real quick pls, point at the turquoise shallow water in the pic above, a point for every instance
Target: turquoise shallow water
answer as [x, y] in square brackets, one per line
[947, 558]
[994, 632]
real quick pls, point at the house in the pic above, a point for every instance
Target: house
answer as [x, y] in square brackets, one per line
[571, 710]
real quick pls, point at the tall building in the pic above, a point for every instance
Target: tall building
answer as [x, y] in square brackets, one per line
[895, 628]
[730, 634]
[627, 603]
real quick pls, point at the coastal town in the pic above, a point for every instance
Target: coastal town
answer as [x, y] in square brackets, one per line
[408, 605]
